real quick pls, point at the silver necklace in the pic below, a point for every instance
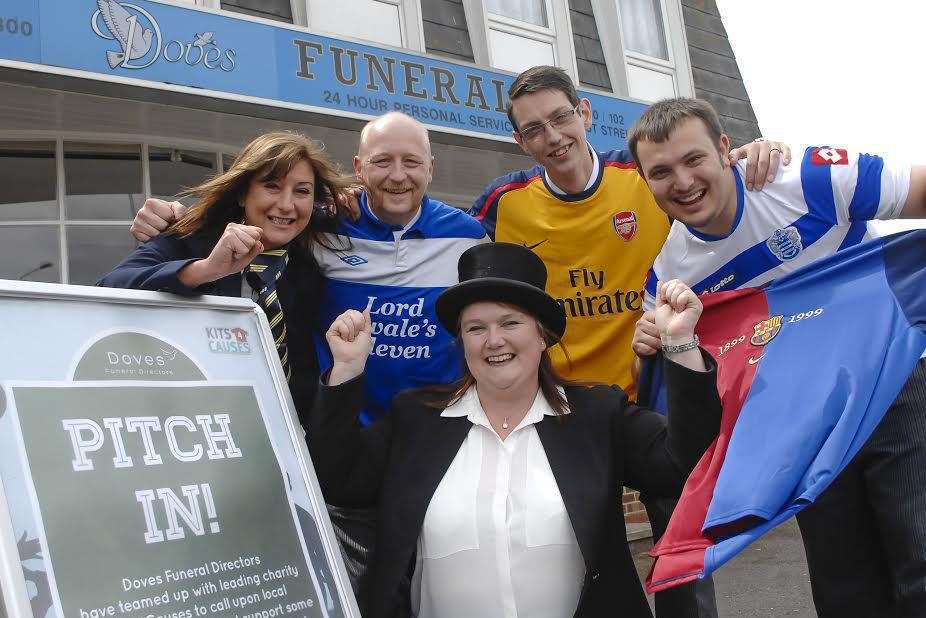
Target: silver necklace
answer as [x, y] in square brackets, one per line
[505, 423]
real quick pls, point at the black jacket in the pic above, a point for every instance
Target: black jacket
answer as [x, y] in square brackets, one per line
[155, 264]
[604, 443]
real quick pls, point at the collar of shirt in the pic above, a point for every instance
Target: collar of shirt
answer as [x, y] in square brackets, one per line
[596, 167]
[397, 231]
[470, 407]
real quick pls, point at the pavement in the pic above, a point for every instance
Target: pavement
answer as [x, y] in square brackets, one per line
[768, 579]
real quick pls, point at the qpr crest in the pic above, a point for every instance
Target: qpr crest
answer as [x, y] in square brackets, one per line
[625, 224]
[766, 330]
[785, 243]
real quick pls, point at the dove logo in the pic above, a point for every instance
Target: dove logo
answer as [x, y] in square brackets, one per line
[139, 39]
[142, 44]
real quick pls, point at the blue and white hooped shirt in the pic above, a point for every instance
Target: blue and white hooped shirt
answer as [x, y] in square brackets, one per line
[398, 272]
[815, 207]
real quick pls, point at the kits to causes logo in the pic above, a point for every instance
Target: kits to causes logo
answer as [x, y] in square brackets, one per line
[141, 42]
[228, 340]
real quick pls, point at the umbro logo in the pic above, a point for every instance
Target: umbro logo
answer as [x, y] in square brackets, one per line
[353, 260]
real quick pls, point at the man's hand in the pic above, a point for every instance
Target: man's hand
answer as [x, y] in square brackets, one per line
[155, 217]
[350, 341]
[646, 341]
[236, 248]
[763, 158]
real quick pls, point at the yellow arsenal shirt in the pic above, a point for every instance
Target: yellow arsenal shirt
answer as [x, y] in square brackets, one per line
[597, 246]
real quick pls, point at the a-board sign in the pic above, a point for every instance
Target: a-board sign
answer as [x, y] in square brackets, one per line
[152, 464]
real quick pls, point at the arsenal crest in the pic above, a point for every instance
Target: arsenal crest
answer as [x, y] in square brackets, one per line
[766, 330]
[625, 224]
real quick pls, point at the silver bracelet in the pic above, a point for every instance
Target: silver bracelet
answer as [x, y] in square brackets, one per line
[675, 349]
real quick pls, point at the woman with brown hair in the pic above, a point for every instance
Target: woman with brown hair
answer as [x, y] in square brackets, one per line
[501, 496]
[248, 234]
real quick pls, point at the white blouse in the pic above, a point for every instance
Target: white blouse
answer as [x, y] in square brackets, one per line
[496, 538]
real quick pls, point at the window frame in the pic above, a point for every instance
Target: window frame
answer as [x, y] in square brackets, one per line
[558, 33]
[618, 59]
[59, 139]
[411, 24]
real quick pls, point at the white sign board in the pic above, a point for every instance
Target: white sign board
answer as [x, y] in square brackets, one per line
[152, 463]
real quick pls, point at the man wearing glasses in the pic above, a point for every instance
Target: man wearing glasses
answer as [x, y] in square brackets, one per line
[593, 221]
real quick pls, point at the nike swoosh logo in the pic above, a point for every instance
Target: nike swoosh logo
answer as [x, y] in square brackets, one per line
[534, 246]
[753, 361]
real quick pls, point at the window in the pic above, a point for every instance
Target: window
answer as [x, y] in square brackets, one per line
[93, 250]
[643, 28]
[30, 253]
[174, 170]
[77, 231]
[518, 34]
[390, 22]
[102, 181]
[521, 34]
[530, 11]
[27, 181]
[278, 10]
[650, 35]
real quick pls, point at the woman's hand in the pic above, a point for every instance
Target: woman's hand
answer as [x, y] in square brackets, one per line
[677, 312]
[350, 341]
[236, 248]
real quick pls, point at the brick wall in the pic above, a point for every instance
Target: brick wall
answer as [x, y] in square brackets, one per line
[634, 511]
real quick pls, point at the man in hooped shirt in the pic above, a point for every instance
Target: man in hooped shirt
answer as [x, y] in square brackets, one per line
[865, 536]
[394, 259]
[593, 221]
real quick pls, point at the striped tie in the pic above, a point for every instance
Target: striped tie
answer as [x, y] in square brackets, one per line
[262, 275]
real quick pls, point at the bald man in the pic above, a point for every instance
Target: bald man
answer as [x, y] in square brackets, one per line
[395, 259]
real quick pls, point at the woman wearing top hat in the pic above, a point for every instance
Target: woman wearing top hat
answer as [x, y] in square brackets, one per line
[501, 495]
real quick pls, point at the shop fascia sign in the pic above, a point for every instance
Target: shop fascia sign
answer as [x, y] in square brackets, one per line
[229, 56]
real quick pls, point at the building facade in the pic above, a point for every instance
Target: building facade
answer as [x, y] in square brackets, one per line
[92, 123]
[104, 103]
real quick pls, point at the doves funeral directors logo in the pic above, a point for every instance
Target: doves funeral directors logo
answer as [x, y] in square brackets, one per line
[140, 42]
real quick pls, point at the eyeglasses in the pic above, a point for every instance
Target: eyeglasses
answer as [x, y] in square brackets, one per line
[558, 121]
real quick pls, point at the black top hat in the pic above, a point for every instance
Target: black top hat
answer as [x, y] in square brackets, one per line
[501, 272]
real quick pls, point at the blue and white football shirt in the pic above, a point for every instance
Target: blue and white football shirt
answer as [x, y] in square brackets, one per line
[815, 207]
[398, 273]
